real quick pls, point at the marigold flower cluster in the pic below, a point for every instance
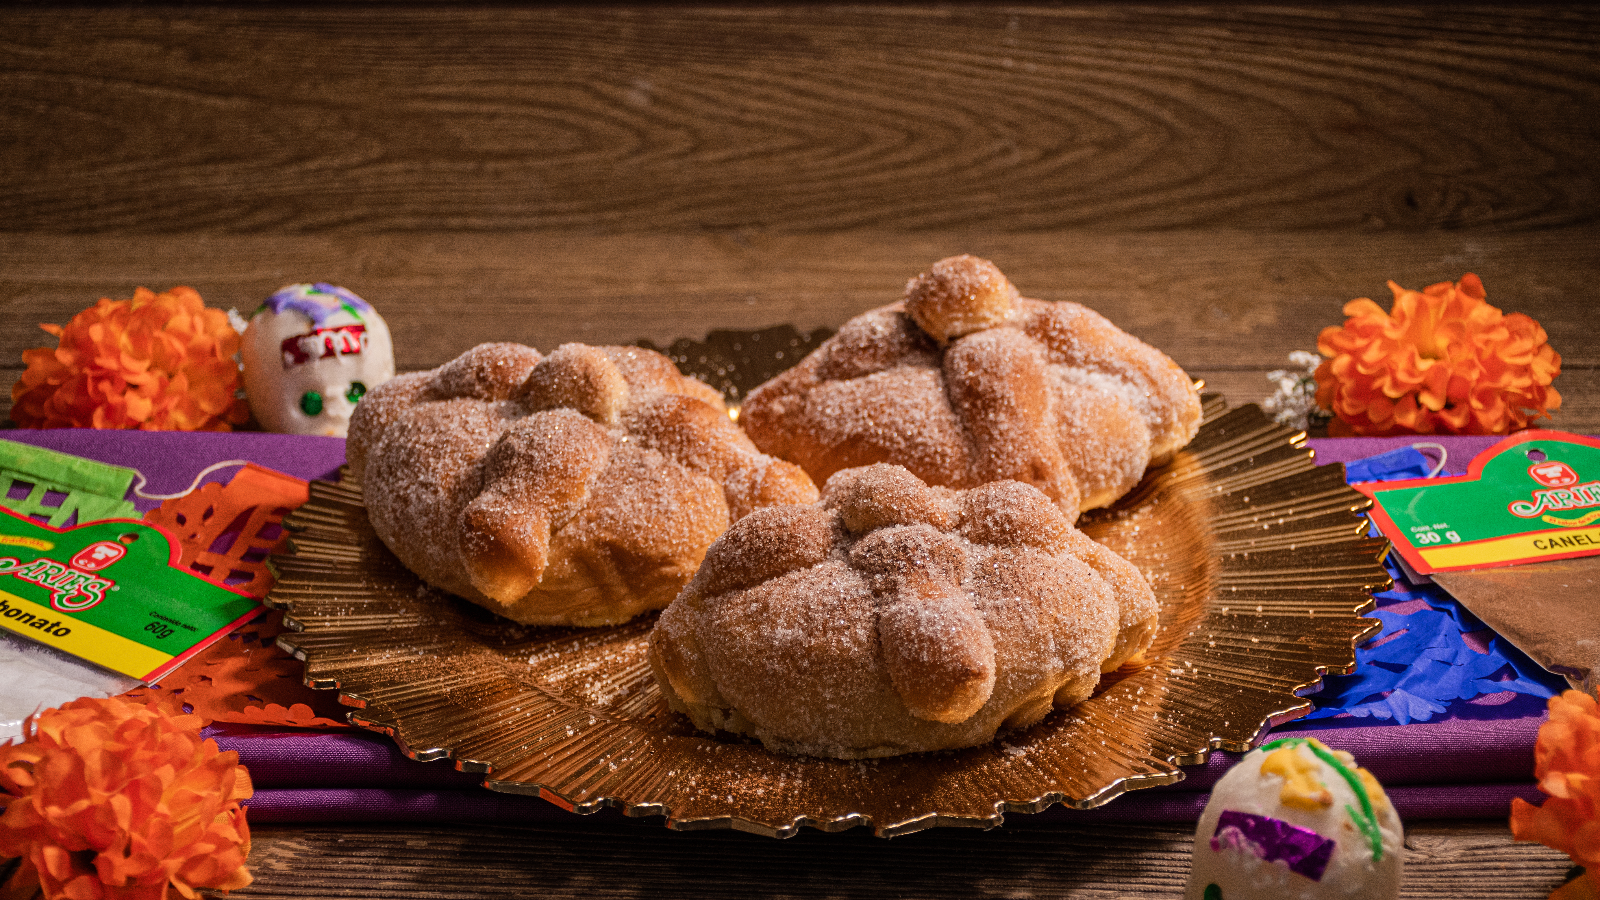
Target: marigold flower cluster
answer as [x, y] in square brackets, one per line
[1567, 764]
[1442, 362]
[106, 798]
[155, 362]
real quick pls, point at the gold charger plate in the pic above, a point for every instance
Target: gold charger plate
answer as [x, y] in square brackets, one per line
[1260, 560]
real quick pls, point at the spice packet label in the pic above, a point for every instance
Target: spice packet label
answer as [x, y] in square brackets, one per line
[1532, 497]
[111, 592]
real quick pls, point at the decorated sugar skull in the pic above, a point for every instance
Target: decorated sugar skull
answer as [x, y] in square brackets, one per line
[1296, 820]
[310, 353]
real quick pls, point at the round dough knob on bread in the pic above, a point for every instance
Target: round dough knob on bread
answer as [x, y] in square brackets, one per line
[580, 487]
[960, 295]
[893, 617]
[966, 382]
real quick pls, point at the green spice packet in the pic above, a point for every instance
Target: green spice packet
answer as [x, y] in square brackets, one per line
[111, 592]
[1534, 496]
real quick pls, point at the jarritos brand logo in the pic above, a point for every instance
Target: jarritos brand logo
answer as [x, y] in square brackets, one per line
[72, 589]
[1561, 491]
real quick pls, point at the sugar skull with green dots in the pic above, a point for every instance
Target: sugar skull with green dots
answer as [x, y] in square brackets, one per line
[310, 353]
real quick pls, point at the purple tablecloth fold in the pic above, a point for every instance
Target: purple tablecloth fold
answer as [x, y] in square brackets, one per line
[1457, 767]
[1451, 751]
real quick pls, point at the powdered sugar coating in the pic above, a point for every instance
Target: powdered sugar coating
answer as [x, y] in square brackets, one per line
[892, 617]
[966, 382]
[580, 487]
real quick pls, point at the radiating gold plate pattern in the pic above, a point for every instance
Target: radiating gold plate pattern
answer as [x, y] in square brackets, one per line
[1259, 559]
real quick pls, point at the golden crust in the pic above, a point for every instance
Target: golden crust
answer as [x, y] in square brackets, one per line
[965, 382]
[893, 617]
[577, 488]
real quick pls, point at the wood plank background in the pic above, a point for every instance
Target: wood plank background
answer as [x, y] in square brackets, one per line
[1227, 305]
[1216, 178]
[797, 118]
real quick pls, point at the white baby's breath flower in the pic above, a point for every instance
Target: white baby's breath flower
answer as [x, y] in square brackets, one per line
[1295, 400]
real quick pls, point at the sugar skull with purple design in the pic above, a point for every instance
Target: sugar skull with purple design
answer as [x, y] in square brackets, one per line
[1297, 820]
[310, 353]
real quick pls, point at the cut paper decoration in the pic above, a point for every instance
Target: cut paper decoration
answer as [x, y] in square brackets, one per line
[246, 679]
[62, 490]
[1401, 463]
[1422, 662]
[227, 533]
[223, 533]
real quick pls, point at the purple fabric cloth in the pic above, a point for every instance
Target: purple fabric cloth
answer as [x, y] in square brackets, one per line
[440, 805]
[1450, 769]
[371, 804]
[1468, 765]
[1451, 751]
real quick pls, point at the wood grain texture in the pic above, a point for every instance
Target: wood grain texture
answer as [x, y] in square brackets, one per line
[796, 118]
[1229, 306]
[642, 860]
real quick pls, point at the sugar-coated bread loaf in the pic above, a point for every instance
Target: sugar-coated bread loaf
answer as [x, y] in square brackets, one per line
[966, 382]
[892, 617]
[576, 488]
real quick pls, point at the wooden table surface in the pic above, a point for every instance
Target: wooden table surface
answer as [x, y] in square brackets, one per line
[1217, 179]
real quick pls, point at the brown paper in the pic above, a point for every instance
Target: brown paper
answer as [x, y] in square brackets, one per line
[1549, 610]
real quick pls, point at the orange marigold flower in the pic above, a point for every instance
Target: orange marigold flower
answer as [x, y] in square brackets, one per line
[1442, 362]
[113, 799]
[1567, 764]
[156, 362]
